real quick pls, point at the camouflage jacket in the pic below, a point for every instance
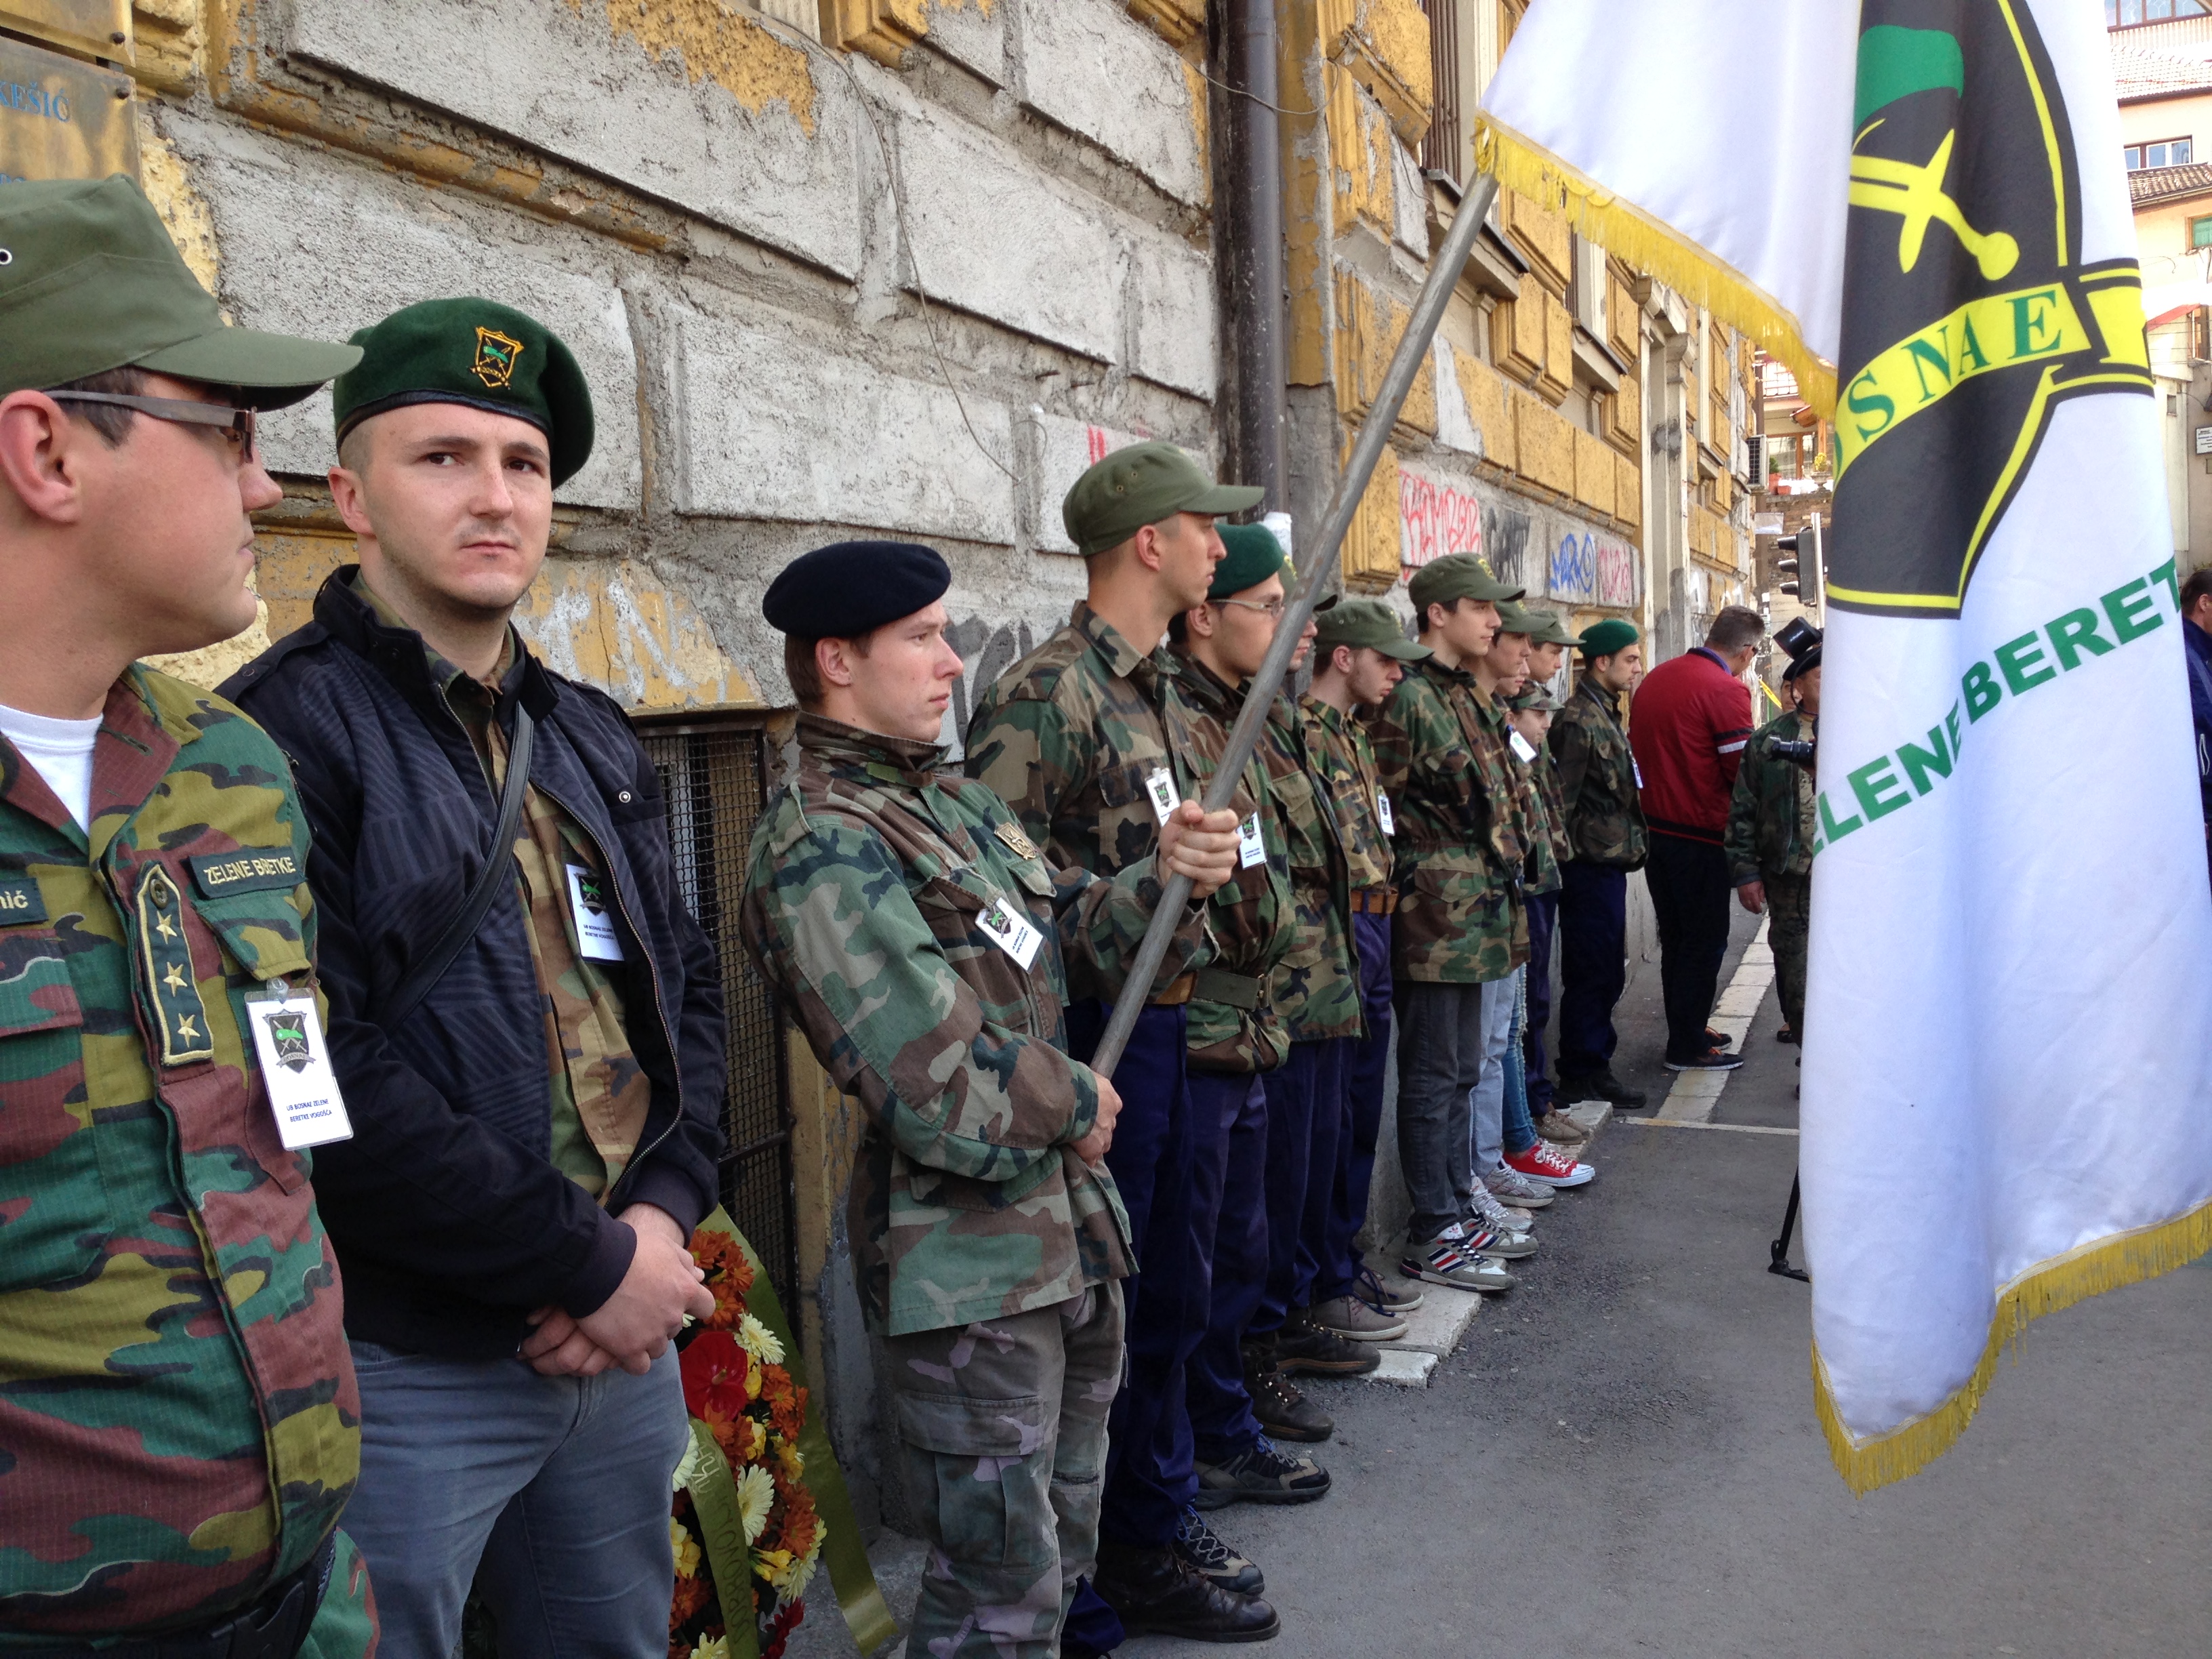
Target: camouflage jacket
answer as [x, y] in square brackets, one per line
[1547, 843]
[1315, 987]
[1597, 780]
[1771, 829]
[1343, 762]
[1440, 753]
[179, 1420]
[1233, 1022]
[872, 879]
[1067, 739]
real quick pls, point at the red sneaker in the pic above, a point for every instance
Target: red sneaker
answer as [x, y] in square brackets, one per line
[1549, 1164]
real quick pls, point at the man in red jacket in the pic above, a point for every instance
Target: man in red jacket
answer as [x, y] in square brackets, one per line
[1687, 727]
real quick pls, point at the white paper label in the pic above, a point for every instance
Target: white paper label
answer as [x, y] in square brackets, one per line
[1523, 749]
[1383, 811]
[595, 917]
[1161, 787]
[1251, 846]
[1006, 927]
[287, 1035]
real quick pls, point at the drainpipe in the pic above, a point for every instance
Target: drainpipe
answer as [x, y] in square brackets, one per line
[1254, 195]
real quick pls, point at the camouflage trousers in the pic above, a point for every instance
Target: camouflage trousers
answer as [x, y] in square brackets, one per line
[344, 1624]
[1790, 911]
[1003, 1423]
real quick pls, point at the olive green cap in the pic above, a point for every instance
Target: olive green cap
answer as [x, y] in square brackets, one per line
[1536, 696]
[1516, 618]
[1369, 622]
[478, 352]
[90, 280]
[1140, 485]
[1550, 630]
[1457, 576]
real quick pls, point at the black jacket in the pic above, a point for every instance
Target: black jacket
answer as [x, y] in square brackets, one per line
[450, 1220]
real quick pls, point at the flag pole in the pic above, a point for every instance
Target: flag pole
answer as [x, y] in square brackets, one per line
[1244, 736]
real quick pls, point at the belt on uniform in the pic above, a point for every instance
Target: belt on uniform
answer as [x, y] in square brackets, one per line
[1229, 990]
[1374, 901]
[274, 1628]
[1176, 995]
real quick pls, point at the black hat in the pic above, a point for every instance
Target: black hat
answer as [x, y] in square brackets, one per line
[1802, 641]
[850, 588]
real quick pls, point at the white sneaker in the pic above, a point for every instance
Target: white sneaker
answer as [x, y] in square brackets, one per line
[1512, 1187]
[1501, 1217]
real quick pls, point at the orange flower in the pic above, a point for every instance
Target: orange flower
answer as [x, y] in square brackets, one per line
[690, 1599]
[729, 1276]
[785, 1402]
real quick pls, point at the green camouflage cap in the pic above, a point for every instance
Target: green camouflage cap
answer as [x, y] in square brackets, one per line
[1368, 623]
[1535, 695]
[475, 352]
[1457, 576]
[90, 280]
[1140, 485]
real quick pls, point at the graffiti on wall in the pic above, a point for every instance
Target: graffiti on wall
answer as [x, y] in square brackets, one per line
[1505, 544]
[1592, 569]
[986, 650]
[1434, 519]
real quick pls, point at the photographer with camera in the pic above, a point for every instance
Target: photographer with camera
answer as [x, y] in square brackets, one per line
[1771, 826]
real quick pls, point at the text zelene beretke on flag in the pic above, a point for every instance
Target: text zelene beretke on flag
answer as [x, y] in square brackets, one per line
[2005, 1061]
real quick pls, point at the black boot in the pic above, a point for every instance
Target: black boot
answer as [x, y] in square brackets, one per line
[1600, 1085]
[1282, 1410]
[1158, 1593]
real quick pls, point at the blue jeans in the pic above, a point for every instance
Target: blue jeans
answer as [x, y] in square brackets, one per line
[558, 1485]
[1543, 923]
[1486, 1099]
[1520, 1127]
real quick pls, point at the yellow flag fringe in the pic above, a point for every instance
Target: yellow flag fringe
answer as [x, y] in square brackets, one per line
[1649, 244]
[2106, 1265]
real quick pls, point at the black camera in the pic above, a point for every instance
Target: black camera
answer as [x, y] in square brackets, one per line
[1798, 749]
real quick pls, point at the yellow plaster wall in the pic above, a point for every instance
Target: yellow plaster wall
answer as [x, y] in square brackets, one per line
[1308, 195]
[1181, 23]
[1372, 544]
[1593, 472]
[1368, 326]
[1544, 444]
[718, 40]
[1623, 413]
[184, 215]
[1542, 235]
[1516, 335]
[882, 28]
[1385, 45]
[1627, 491]
[1558, 370]
[1488, 409]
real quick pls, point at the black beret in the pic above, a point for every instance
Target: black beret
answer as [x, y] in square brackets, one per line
[850, 588]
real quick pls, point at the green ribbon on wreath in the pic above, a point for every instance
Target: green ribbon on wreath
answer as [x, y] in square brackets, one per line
[860, 1598]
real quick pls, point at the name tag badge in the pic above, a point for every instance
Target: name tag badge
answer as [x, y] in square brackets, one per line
[1161, 787]
[21, 900]
[1636, 771]
[1383, 811]
[595, 920]
[1523, 747]
[1251, 849]
[288, 1035]
[1006, 927]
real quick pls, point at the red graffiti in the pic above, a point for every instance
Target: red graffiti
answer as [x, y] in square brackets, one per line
[1434, 519]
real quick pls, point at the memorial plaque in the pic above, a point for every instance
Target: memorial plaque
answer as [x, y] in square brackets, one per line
[61, 118]
[101, 27]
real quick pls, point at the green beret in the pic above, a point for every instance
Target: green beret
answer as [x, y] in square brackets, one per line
[1604, 639]
[1251, 555]
[1457, 576]
[1140, 485]
[475, 352]
[1368, 623]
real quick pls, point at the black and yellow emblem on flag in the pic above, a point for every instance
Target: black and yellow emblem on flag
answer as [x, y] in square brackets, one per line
[495, 356]
[1968, 313]
[287, 1038]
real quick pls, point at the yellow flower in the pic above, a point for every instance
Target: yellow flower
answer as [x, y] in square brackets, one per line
[714, 1647]
[789, 1461]
[685, 1546]
[755, 1497]
[759, 1341]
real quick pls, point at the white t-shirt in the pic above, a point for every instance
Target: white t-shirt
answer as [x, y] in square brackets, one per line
[61, 749]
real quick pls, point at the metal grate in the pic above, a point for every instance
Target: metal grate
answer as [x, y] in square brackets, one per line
[1440, 149]
[714, 777]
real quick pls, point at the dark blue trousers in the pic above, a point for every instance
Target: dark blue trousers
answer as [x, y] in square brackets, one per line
[1593, 934]
[1305, 1124]
[1149, 1480]
[1365, 1063]
[1230, 1177]
[1543, 922]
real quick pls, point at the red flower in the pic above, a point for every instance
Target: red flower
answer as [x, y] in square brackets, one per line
[714, 1369]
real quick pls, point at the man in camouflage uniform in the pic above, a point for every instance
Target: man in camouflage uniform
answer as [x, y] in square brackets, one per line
[1546, 647]
[179, 1418]
[1771, 832]
[1459, 931]
[1361, 650]
[1074, 739]
[1598, 784]
[1238, 1041]
[927, 948]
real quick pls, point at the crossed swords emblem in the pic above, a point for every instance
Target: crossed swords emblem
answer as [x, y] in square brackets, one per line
[1918, 195]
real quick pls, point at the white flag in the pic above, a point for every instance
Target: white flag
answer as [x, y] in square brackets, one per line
[2008, 1062]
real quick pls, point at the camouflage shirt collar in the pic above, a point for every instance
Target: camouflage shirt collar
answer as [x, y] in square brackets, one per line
[1608, 702]
[1122, 659]
[1332, 718]
[1206, 688]
[903, 760]
[443, 671]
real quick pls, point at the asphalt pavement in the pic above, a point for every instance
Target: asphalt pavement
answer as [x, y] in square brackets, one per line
[1621, 1458]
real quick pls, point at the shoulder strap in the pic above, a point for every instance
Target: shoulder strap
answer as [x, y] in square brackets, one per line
[462, 928]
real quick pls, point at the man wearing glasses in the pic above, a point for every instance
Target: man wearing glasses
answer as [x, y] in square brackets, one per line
[177, 1410]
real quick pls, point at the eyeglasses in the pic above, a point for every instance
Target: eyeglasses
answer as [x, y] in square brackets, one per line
[236, 423]
[1272, 608]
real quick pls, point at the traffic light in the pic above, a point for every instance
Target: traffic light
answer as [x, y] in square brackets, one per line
[1795, 550]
